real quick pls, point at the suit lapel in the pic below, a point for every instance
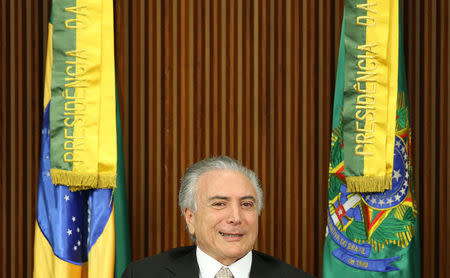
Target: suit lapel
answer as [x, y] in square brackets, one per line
[185, 266]
[259, 268]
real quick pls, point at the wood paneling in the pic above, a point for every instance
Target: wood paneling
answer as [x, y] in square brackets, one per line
[251, 79]
[23, 32]
[427, 59]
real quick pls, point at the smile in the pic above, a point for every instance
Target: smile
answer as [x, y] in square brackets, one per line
[231, 235]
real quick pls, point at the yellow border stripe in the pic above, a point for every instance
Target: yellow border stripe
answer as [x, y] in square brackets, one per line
[385, 33]
[47, 265]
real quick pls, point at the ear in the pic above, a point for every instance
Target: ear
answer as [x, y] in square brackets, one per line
[190, 220]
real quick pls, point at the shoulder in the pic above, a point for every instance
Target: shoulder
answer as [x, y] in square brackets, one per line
[157, 264]
[268, 264]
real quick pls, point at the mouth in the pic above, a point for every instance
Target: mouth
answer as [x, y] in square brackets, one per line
[231, 236]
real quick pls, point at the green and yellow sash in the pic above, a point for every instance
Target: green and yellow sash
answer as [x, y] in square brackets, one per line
[82, 111]
[370, 94]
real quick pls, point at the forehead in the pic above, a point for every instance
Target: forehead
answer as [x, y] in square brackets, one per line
[227, 183]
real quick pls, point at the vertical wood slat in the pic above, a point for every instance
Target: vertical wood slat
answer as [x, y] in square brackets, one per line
[304, 138]
[22, 37]
[3, 133]
[12, 135]
[444, 154]
[428, 130]
[252, 79]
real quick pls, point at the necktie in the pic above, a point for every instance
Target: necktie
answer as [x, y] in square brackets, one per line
[224, 273]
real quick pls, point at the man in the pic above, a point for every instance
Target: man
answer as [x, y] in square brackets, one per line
[221, 201]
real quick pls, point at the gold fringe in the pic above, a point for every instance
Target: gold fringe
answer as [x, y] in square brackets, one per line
[369, 184]
[107, 181]
[400, 212]
[408, 236]
[77, 181]
[404, 239]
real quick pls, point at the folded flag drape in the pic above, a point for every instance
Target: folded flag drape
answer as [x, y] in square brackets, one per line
[82, 223]
[370, 93]
[372, 228]
[82, 115]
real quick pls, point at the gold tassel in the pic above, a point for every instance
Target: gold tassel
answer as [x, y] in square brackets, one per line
[77, 181]
[369, 184]
[107, 181]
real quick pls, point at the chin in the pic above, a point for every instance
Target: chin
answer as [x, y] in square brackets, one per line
[235, 252]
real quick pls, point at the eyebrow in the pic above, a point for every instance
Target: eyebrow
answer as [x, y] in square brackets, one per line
[217, 197]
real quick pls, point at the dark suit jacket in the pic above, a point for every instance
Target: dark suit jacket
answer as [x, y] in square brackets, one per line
[182, 262]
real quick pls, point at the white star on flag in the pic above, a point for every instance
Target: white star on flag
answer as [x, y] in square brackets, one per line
[78, 229]
[75, 247]
[66, 198]
[403, 190]
[381, 202]
[397, 175]
[398, 144]
[397, 197]
[389, 201]
[69, 232]
[74, 218]
[79, 243]
[374, 201]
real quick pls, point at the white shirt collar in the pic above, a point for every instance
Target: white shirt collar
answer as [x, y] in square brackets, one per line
[209, 266]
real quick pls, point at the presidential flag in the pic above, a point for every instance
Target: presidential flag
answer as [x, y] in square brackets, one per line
[82, 223]
[372, 228]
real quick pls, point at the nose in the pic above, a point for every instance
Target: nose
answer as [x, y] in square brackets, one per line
[234, 216]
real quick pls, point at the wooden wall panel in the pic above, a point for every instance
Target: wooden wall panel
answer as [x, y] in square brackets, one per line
[427, 41]
[23, 32]
[251, 79]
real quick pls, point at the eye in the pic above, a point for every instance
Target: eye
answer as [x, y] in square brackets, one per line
[218, 204]
[248, 204]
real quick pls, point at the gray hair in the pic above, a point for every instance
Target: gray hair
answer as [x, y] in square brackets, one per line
[187, 197]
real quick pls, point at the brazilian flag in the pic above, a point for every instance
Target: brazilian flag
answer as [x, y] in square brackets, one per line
[82, 225]
[372, 228]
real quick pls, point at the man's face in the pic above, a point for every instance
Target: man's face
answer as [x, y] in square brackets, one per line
[226, 221]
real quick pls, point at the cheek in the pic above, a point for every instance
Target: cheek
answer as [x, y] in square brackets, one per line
[252, 221]
[210, 221]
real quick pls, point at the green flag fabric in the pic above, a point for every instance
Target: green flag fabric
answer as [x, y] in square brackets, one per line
[122, 235]
[369, 233]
